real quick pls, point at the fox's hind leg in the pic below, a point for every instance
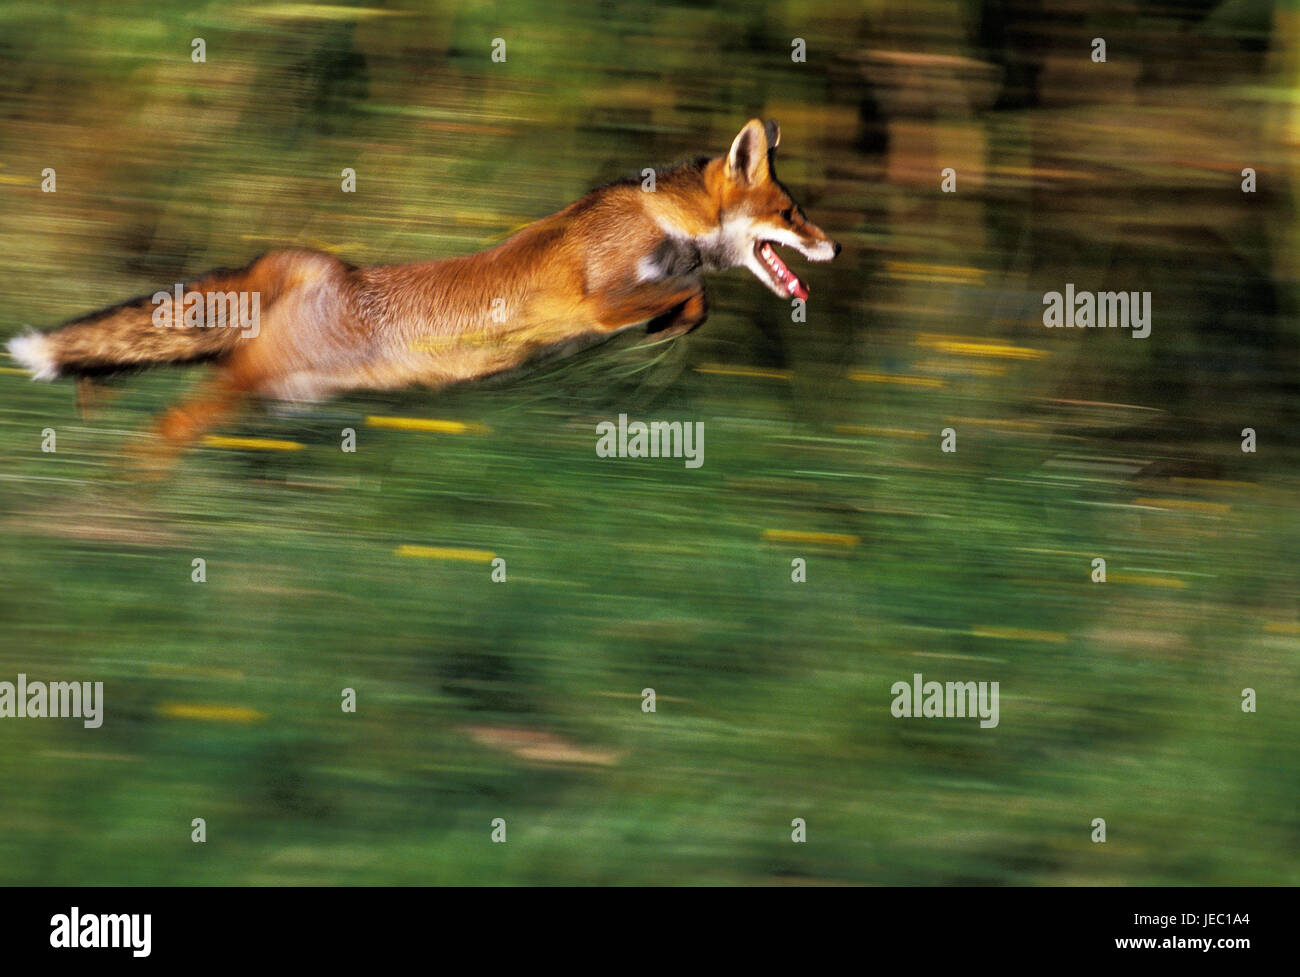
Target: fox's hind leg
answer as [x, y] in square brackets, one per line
[91, 393]
[182, 425]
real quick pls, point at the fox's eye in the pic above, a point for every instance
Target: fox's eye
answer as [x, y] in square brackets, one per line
[787, 215]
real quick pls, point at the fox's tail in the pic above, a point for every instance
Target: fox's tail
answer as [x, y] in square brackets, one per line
[125, 337]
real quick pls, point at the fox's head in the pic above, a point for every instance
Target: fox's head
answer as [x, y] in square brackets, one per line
[757, 214]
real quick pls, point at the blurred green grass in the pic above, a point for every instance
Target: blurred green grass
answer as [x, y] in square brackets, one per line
[1119, 700]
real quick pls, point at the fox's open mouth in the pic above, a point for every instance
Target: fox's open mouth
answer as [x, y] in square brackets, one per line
[781, 277]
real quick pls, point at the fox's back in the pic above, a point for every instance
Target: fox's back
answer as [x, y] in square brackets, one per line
[541, 280]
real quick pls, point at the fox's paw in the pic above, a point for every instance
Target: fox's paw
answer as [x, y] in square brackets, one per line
[684, 318]
[151, 459]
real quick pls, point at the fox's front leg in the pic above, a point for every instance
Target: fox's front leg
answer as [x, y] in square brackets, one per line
[682, 319]
[643, 303]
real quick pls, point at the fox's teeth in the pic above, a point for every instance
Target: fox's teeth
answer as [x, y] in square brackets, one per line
[781, 275]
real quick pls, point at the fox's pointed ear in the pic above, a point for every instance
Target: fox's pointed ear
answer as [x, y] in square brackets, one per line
[773, 134]
[747, 159]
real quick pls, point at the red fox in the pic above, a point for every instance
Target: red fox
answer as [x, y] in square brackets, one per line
[304, 326]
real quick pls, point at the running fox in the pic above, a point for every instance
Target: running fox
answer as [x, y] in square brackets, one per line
[317, 327]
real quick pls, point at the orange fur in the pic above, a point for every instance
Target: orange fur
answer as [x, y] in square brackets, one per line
[619, 257]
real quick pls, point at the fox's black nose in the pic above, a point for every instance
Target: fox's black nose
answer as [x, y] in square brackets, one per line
[837, 249]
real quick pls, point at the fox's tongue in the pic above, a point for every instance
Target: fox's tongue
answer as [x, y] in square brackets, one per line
[784, 275]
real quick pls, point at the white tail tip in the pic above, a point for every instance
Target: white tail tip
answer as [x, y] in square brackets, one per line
[33, 351]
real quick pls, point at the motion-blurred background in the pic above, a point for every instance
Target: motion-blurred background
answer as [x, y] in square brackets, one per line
[522, 700]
